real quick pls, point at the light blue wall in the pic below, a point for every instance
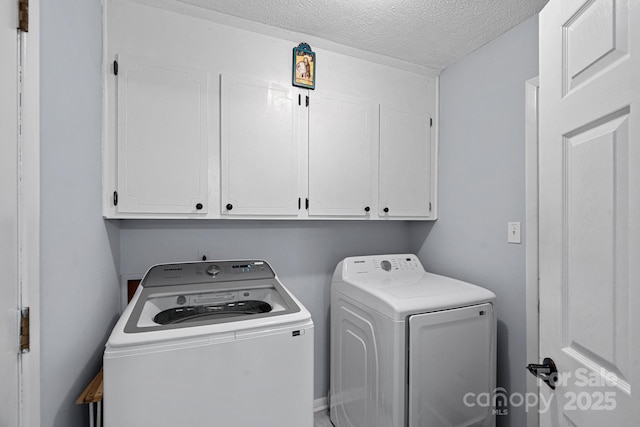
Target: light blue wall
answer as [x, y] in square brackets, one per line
[79, 251]
[303, 254]
[482, 187]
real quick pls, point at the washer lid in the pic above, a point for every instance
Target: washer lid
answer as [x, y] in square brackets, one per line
[223, 300]
[186, 295]
[397, 286]
[186, 306]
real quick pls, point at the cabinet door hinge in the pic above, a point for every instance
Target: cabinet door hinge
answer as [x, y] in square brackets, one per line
[115, 67]
[307, 101]
[115, 198]
[25, 345]
[23, 15]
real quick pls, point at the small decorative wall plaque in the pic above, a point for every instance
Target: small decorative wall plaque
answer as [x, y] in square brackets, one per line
[304, 66]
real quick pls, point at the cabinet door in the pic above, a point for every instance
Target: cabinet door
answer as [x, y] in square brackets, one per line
[343, 142]
[260, 146]
[162, 133]
[405, 163]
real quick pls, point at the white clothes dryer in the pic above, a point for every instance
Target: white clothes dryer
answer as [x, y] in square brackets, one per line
[219, 343]
[409, 348]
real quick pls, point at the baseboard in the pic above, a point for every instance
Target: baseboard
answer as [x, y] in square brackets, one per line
[321, 404]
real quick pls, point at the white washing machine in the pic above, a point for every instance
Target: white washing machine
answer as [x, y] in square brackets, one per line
[219, 343]
[409, 348]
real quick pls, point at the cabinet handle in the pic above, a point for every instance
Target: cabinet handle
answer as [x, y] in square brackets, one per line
[199, 206]
[367, 209]
[229, 206]
[386, 210]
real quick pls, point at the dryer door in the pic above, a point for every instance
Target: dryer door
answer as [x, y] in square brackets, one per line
[452, 360]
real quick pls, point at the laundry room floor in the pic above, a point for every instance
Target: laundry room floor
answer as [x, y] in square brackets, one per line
[321, 419]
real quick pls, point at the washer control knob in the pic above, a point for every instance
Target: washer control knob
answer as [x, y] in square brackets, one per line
[181, 300]
[386, 265]
[213, 270]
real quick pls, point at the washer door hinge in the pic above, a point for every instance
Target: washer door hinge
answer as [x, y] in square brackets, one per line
[23, 15]
[25, 345]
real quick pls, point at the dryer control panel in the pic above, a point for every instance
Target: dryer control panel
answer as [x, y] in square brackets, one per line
[382, 265]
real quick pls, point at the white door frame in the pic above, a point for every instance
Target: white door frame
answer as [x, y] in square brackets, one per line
[531, 241]
[29, 214]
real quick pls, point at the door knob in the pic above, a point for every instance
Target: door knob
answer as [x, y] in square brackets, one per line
[547, 372]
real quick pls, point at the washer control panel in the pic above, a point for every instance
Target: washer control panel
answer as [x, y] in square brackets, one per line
[382, 265]
[206, 272]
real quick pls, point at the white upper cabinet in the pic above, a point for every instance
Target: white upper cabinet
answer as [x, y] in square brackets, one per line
[406, 163]
[343, 145]
[260, 148]
[285, 151]
[202, 121]
[161, 138]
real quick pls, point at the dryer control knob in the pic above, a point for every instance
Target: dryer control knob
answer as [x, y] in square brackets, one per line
[213, 270]
[386, 265]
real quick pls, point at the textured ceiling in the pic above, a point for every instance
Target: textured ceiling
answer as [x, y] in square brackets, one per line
[429, 33]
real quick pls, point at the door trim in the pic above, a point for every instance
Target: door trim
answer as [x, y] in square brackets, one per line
[531, 242]
[29, 215]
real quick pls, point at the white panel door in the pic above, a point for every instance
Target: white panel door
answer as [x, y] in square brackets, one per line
[8, 214]
[589, 210]
[343, 144]
[260, 148]
[405, 163]
[162, 121]
[452, 363]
